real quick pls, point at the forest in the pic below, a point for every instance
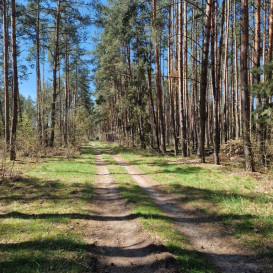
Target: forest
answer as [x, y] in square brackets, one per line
[136, 136]
[169, 74]
[49, 38]
[190, 75]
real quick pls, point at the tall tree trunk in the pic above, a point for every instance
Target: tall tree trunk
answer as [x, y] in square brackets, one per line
[38, 74]
[170, 80]
[215, 87]
[66, 94]
[237, 110]
[249, 165]
[158, 82]
[43, 107]
[14, 83]
[270, 58]
[75, 104]
[203, 82]
[257, 60]
[149, 71]
[61, 107]
[6, 72]
[195, 90]
[264, 36]
[55, 68]
[185, 80]
[180, 81]
[225, 80]
[270, 35]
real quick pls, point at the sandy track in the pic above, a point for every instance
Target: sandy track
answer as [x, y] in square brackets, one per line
[121, 245]
[206, 234]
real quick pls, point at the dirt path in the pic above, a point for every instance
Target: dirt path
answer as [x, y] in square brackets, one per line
[206, 234]
[121, 245]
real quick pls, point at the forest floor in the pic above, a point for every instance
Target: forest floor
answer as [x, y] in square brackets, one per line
[112, 209]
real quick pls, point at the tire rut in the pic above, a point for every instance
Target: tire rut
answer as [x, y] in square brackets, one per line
[121, 245]
[206, 234]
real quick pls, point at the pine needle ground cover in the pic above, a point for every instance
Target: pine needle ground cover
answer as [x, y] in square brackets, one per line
[231, 196]
[43, 216]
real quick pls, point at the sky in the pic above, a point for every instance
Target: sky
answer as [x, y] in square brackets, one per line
[28, 87]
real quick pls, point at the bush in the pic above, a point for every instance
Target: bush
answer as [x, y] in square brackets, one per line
[234, 147]
[27, 138]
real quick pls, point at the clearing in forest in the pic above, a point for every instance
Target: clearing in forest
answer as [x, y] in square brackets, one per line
[227, 216]
[95, 212]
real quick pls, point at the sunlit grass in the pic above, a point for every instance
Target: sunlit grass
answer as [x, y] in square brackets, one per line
[233, 197]
[42, 216]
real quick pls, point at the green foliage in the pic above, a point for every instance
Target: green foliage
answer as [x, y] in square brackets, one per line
[123, 59]
[84, 124]
[264, 90]
[27, 140]
[28, 108]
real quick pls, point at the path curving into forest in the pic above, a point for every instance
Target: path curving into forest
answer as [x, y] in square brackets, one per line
[206, 234]
[121, 245]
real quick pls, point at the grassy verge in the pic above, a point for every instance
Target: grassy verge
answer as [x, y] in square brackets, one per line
[231, 195]
[155, 220]
[43, 216]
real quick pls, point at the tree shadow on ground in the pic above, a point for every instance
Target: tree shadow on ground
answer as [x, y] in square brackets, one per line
[60, 250]
[29, 189]
[154, 216]
[87, 260]
[59, 256]
[190, 194]
[243, 223]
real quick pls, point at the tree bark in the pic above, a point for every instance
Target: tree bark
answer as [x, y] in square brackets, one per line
[38, 74]
[257, 78]
[66, 94]
[6, 73]
[237, 109]
[249, 165]
[225, 80]
[170, 80]
[270, 35]
[15, 83]
[75, 104]
[158, 83]
[180, 81]
[215, 87]
[55, 68]
[149, 72]
[203, 82]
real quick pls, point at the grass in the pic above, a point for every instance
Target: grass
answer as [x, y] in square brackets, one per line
[43, 216]
[232, 197]
[155, 220]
